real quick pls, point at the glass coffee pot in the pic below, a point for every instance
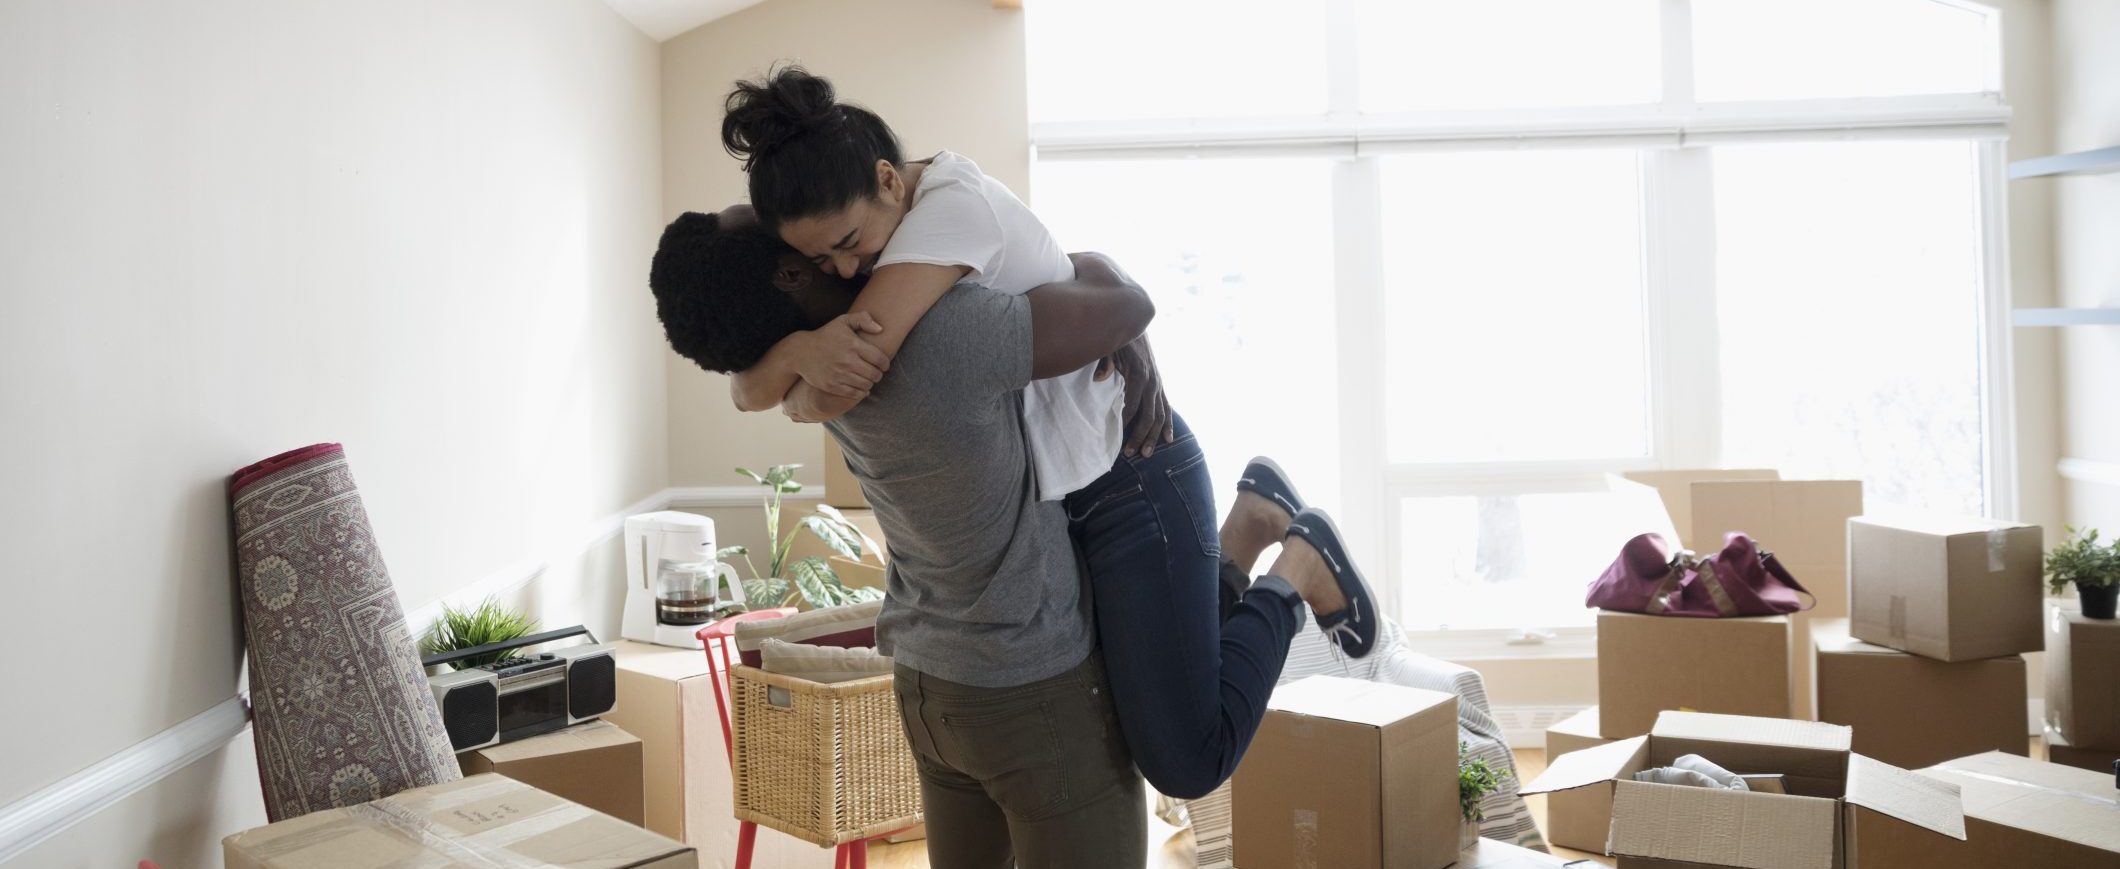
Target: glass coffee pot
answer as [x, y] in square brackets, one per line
[688, 593]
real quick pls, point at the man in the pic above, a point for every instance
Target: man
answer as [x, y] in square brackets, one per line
[1004, 700]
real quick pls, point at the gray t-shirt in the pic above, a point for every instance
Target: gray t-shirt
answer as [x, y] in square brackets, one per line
[985, 586]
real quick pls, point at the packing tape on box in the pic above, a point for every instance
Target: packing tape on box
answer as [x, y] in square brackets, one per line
[1306, 840]
[2079, 796]
[1998, 540]
[442, 846]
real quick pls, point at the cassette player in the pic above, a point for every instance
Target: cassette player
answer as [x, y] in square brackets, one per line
[522, 695]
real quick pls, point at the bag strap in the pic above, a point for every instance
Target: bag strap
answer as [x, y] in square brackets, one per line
[1773, 566]
[1674, 576]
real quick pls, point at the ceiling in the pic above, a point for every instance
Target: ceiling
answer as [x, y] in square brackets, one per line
[663, 19]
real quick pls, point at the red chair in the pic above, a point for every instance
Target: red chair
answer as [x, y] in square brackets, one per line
[852, 855]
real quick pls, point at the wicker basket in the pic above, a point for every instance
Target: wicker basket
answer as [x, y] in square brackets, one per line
[824, 763]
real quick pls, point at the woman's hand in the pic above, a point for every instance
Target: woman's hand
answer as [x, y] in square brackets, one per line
[1148, 414]
[837, 360]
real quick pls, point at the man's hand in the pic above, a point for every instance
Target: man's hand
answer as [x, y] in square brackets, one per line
[838, 360]
[1149, 421]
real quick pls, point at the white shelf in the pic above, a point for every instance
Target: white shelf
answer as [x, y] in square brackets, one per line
[2067, 317]
[2096, 162]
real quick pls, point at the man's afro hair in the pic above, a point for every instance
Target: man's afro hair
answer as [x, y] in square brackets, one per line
[714, 292]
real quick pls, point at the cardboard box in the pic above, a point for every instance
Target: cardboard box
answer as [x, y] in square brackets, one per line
[1803, 522]
[2020, 812]
[1834, 796]
[841, 489]
[593, 763]
[1675, 488]
[1650, 664]
[1577, 819]
[666, 698]
[2082, 677]
[1953, 589]
[1390, 798]
[481, 821]
[1912, 712]
[2058, 750]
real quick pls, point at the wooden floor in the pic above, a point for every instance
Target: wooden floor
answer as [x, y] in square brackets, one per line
[1175, 847]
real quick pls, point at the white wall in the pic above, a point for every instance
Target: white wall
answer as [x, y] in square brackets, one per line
[2087, 250]
[944, 74]
[232, 228]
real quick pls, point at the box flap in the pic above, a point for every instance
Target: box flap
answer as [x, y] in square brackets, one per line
[1711, 727]
[488, 818]
[1675, 490]
[1928, 803]
[1587, 767]
[1939, 524]
[1722, 828]
[1357, 701]
[2060, 802]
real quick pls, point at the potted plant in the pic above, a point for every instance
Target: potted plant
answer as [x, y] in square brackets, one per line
[1475, 781]
[810, 581]
[2093, 569]
[489, 622]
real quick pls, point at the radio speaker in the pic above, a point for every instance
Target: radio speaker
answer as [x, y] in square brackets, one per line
[592, 681]
[470, 707]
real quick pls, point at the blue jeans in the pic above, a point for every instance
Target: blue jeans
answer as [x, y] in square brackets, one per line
[1191, 661]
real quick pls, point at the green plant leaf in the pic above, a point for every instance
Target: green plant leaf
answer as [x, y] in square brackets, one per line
[778, 475]
[753, 475]
[869, 546]
[488, 622]
[820, 584]
[836, 533]
[864, 594]
[765, 593]
[728, 552]
[790, 487]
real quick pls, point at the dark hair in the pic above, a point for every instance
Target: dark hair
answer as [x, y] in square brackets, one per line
[806, 153]
[714, 292]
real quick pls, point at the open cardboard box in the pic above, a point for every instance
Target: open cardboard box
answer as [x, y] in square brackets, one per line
[1832, 795]
[2020, 812]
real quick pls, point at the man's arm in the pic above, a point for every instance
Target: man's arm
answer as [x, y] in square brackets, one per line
[1073, 323]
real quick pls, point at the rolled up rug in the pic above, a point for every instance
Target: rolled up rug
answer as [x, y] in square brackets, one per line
[340, 705]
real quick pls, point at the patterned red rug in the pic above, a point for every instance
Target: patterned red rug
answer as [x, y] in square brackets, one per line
[340, 706]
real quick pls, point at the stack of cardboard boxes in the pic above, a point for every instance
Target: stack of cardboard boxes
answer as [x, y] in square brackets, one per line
[1930, 667]
[2082, 689]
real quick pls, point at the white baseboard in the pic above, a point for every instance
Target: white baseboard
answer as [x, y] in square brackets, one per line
[1525, 726]
[46, 813]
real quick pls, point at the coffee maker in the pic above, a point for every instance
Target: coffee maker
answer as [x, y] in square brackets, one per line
[673, 582]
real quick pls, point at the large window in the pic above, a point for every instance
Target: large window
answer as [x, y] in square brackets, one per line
[1455, 262]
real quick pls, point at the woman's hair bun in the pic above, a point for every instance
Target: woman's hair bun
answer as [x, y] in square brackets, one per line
[763, 115]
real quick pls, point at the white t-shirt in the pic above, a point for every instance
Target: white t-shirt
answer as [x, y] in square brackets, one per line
[961, 217]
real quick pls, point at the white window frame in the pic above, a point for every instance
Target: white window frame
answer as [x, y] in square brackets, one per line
[1674, 137]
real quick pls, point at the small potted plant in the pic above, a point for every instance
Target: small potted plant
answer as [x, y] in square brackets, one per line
[1475, 781]
[807, 581]
[2093, 569]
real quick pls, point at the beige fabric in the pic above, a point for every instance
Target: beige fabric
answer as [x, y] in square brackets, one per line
[822, 663]
[808, 625]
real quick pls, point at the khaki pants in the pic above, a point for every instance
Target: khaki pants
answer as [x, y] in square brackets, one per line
[1035, 777]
